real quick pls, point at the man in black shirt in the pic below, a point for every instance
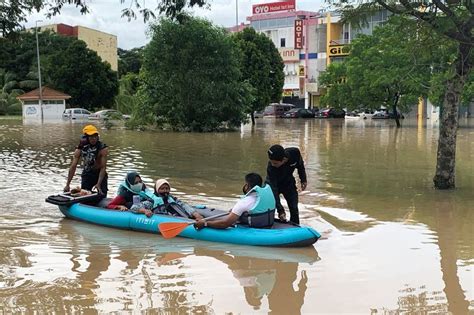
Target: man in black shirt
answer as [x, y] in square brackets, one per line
[280, 177]
[93, 154]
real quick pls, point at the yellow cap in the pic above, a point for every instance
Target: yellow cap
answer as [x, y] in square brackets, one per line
[90, 130]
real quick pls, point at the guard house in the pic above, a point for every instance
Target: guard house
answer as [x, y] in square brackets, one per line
[54, 103]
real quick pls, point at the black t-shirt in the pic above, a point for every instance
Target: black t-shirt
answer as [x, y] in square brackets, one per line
[89, 154]
[281, 178]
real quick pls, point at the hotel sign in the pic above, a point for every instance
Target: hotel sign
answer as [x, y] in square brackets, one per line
[274, 7]
[288, 54]
[298, 34]
[338, 50]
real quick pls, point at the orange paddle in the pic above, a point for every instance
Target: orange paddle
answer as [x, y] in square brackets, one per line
[171, 229]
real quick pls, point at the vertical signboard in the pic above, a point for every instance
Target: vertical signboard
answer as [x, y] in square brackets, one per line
[298, 34]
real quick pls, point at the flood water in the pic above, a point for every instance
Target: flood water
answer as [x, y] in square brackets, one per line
[392, 244]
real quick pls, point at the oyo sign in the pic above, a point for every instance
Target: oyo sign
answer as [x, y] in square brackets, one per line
[274, 7]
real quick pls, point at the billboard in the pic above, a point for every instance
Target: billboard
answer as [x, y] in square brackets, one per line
[287, 5]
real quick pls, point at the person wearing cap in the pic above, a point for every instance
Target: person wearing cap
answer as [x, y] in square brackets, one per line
[281, 165]
[160, 201]
[93, 155]
[130, 187]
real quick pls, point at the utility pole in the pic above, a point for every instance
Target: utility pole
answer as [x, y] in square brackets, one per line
[237, 14]
[39, 70]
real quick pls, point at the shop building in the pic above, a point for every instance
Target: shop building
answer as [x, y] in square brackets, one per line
[49, 104]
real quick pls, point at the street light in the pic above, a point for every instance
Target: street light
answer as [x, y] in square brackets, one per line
[39, 69]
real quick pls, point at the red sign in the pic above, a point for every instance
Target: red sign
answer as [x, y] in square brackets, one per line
[298, 34]
[274, 7]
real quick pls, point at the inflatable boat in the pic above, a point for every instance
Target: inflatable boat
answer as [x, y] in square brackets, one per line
[280, 234]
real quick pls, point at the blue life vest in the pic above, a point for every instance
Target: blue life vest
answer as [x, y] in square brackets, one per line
[157, 200]
[262, 213]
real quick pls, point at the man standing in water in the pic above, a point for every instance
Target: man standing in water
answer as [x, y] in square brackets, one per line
[93, 154]
[282, 163]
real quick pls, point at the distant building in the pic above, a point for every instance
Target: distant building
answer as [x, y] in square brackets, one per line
[54, 103]
[103, 43]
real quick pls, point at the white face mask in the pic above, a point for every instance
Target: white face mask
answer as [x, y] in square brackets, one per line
[136, 187]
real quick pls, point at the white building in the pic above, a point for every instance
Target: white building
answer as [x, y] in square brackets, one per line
[53, 104]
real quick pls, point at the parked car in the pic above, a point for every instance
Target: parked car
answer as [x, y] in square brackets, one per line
[298, 113]
[277, 109]
[332, 113]
[384, 114]
[106, 114]
[76, 113]
[258, 114]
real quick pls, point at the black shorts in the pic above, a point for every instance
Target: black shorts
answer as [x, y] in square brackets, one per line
[88, 180]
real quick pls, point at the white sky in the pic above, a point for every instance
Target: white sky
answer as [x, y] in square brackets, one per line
[105, 16]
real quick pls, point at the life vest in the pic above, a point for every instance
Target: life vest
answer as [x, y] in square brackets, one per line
[157, 200]
[262, 213]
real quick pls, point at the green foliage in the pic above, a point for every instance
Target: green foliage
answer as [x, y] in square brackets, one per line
[388, 68]
[130, 61]
[126, 100]
[10, 89]
[79, 72]
[14, 13]
[262, 68]
[191, 77]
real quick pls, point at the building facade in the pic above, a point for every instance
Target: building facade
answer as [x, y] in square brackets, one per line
[103, 43]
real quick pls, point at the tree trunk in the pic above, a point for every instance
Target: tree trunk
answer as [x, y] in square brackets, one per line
[394, 108]
[446, 158]
[252, 117]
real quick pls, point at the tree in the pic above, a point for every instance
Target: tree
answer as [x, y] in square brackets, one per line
[126, 100]
[14, 12]
[377, 72]
[79, 72]
[262, 67]
[130, 61]
[191, 77]
[10, 89]
[455, 21]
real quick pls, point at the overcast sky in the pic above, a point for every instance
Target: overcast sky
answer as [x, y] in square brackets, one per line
[105, 16]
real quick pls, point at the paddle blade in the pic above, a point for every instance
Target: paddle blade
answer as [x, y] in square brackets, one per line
[171, 229]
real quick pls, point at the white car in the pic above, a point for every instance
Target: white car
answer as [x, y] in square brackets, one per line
[76, 113]
[108, 114]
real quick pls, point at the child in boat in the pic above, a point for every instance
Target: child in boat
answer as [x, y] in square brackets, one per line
[131, 186]
[161, 202]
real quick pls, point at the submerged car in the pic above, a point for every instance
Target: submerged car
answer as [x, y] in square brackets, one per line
[332, 113]
[76, 113]
[298, 113]
[106, 114]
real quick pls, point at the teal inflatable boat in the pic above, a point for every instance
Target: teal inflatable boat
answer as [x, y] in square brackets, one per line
[279, 235]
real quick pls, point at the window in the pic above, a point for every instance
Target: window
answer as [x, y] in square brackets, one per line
[282, 42]
[86, 112]
[77, 111]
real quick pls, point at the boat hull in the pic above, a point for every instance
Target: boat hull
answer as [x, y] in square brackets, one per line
[280, 235]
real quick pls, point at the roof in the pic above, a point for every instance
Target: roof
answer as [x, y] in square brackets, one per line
[47, 94]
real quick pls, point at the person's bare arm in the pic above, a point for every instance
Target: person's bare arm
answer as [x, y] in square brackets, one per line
[72, 168]
[223, 223]
[103, 167]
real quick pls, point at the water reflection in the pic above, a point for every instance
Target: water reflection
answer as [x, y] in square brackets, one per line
[110, 270]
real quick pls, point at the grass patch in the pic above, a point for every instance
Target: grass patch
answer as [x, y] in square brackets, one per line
[10, 117]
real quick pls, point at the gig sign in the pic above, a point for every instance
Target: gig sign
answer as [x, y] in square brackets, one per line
[274, 7]
[298, 34]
